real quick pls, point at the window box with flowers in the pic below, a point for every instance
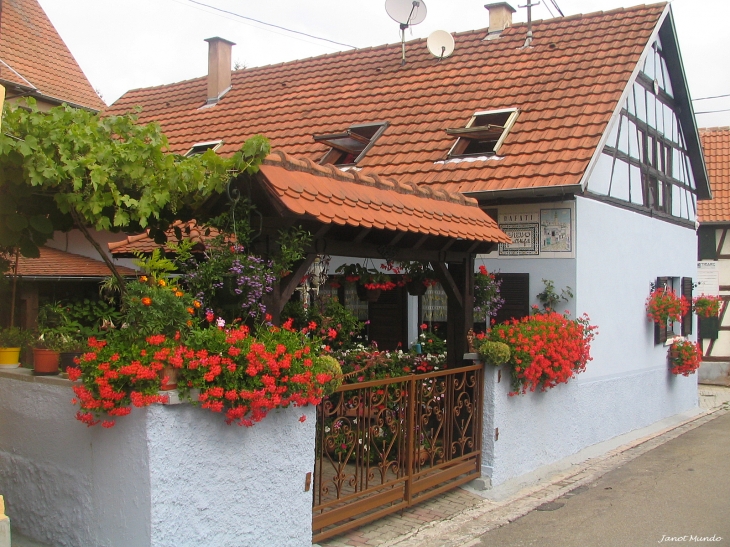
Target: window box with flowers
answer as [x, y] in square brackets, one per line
[684, 356]
[663, 308]
[707, 309]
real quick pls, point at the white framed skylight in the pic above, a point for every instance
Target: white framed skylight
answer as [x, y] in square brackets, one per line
[199, 148]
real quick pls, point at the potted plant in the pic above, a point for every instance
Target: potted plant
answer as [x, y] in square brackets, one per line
[70, 347]
[684, 356]
[495, 353]
[417, 276]
[12, 341]
[46, 352]
[664, 305]
[707, 309]
[487, 299]
[368, 282]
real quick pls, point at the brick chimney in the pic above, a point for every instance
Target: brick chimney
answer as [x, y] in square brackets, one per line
[500, 17]
[219, 68]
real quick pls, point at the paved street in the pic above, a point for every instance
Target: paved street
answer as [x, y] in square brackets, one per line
[676, 491]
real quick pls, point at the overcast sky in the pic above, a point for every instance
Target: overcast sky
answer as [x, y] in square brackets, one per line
[127, 44]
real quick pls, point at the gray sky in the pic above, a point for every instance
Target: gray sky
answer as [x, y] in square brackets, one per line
[127, 44]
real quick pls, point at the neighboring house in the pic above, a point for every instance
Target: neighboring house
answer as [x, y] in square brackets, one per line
[714, 254]
[583, 146]
[35, 62]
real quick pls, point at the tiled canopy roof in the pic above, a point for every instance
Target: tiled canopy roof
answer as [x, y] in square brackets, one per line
[331, 196]
[54, 263]
[33, 56]
[566, 86]
[142, 243]
[341, 197]
[716, 146]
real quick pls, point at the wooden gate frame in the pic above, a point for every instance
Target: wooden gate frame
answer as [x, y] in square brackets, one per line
[350, 489]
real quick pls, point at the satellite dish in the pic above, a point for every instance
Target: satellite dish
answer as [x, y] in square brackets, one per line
[406, 12]
[440, 43]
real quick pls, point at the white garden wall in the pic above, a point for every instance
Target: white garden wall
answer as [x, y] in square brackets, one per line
[628, 384]
[163, 476]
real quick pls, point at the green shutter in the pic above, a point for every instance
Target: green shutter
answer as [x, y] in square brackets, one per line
[660, 331]
[707, 247]
[687, 318]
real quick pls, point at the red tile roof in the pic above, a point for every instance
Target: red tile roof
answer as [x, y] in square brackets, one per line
[345, 197]
[142, 243]
[566, 86]
[54, 263]
[330, 196]
[33, 55]
[716, 146]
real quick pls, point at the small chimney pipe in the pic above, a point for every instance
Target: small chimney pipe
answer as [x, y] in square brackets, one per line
[219, 68]
[500, 17]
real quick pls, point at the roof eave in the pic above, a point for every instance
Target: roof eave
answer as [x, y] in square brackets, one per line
[532, 192]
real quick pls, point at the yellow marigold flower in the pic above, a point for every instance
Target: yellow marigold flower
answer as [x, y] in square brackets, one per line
[147, 301]
[191, 311]
[143, 278]
[179, 293]
[197, 304]
[161, 283]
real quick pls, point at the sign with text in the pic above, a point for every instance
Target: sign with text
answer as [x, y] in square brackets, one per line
[708, 278]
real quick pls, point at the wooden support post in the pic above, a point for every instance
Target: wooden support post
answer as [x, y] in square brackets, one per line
[458, 283]
[283, 289]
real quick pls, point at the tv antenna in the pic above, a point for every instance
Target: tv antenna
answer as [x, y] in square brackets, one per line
[441, 44]
[407, 13]
[529, 6]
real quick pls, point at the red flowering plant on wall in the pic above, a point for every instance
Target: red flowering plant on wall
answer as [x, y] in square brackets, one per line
[116, 375]
[244, 374]
[663, 304]
[707, 306]
[546, 349]
[684, 356]
[239, 373]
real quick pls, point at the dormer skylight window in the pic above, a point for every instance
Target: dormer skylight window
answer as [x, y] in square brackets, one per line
[350, 146]
[484, 133]
[201, 147]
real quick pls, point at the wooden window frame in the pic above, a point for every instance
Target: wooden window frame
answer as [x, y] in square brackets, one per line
[463, 133]
[339, 156]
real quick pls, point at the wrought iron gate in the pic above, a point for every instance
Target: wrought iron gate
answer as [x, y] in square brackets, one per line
[386, 444]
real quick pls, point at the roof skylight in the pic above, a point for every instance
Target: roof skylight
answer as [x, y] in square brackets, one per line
[201, 147]
[484, 133]
[351, 145]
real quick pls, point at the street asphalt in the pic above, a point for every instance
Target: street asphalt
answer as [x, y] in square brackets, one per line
[677, 494]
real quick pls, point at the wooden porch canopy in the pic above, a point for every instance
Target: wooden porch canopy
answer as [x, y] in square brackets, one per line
[353, 215]
[349, 214]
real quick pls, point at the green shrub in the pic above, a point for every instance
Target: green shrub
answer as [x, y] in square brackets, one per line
[494, 353]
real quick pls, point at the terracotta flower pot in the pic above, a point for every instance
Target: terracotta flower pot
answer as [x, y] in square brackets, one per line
[171, 373]
[45, 361]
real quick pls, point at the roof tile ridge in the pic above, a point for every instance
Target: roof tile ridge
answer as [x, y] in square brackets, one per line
[714, 129]
[599, 13]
